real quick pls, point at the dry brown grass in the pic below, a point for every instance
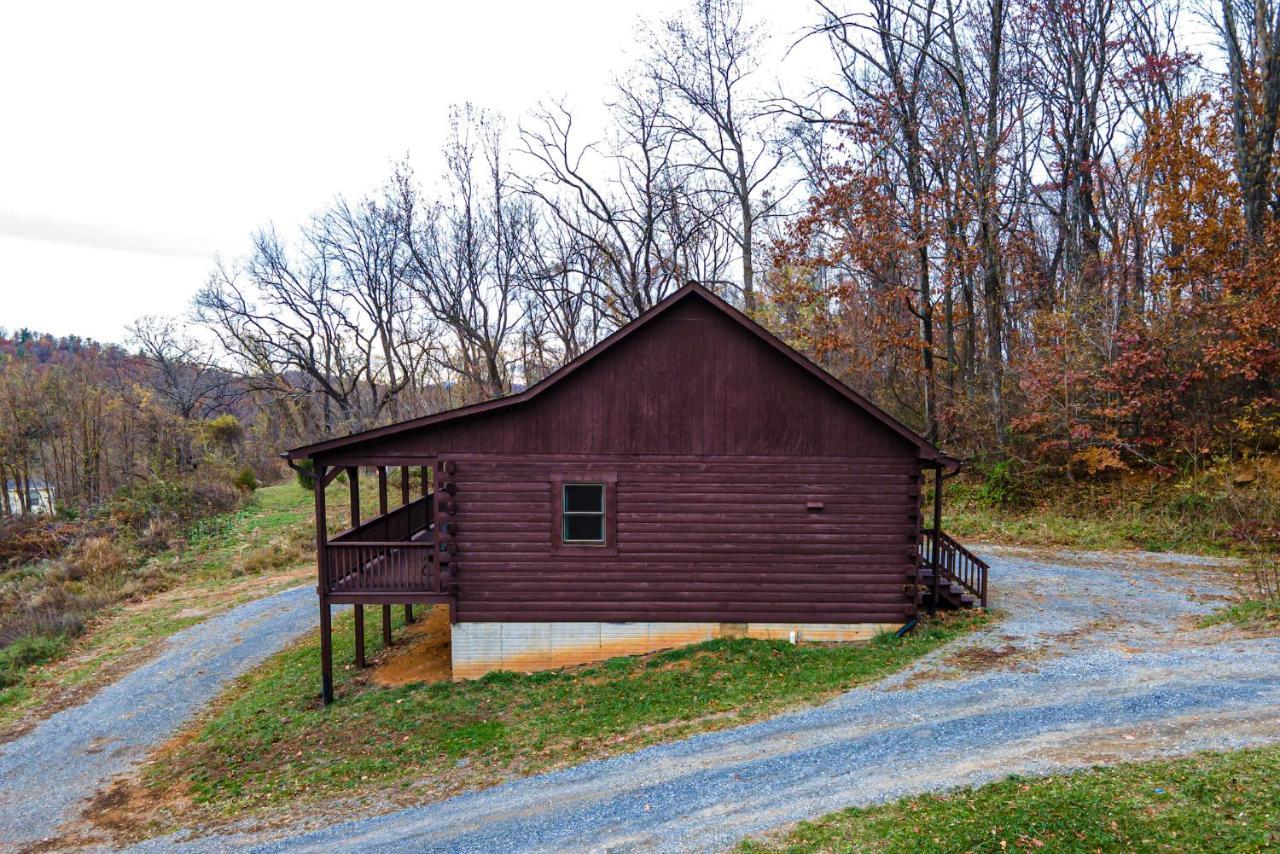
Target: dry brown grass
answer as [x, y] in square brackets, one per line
[96, 557]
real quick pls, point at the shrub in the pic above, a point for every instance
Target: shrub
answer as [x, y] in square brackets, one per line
[27, 652]
[277, 554]
[137, 505]
[245, 480]
[1003, 486]
[224, 431]
[305, 472]
[96, 557]
[33, 538]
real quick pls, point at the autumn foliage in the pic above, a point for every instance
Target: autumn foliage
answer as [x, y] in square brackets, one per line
[1163, 346]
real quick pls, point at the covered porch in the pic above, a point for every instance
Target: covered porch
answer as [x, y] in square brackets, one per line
[400, 556]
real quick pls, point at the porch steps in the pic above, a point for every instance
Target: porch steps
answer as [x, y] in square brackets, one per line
[961, 576]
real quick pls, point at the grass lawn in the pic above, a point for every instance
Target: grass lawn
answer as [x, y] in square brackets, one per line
[1206, 512]
[1103, 522]
[1258, 615]
[227, 560]
[1209, 802]
[269, 741]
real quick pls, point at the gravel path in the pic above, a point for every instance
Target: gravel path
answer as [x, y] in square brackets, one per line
[1097, 661]
[47, 774]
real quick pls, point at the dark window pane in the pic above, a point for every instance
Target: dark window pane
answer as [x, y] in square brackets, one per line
[584, 528]
[584, 498]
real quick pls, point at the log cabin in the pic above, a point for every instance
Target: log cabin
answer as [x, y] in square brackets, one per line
[689, 477]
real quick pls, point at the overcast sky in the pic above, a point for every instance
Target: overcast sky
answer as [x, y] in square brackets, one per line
[140, 140]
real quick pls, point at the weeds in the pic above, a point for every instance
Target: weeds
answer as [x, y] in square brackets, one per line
[1208, 510]
[81, 567]
[15, 658]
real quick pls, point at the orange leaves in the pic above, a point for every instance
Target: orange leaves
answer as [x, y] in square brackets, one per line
[1098, 459]
[1186, 158]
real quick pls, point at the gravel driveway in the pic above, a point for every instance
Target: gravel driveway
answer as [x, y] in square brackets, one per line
[1097, 660]
[46, 774]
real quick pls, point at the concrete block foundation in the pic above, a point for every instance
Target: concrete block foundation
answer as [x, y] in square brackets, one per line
[478, 648]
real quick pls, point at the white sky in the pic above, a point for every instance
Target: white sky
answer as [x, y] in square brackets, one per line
[138, 140]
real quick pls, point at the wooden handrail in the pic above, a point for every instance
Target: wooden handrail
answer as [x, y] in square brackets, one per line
[353, 535]
[956, 564]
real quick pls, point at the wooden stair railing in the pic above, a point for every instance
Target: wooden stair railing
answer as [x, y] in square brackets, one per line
[956, 565]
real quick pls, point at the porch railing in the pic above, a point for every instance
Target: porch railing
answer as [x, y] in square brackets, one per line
[956, 564]
[382, 567]
[391, 553]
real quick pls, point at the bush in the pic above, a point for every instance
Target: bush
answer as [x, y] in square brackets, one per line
[223, 432]
[27, 652]
[1003, 486]
[33, 538]
[277, 554]
[136, 506]
[96, 557]
[245, 480]
[305, 472]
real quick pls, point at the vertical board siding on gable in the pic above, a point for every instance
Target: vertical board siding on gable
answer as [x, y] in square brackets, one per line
[698, 538]
[693, 383]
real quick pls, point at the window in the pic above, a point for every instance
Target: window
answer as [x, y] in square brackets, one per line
[582, 521]
[583, 517]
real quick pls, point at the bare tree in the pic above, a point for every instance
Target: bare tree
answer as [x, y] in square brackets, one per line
[331, 319]
[365, 245]
[980, 85]
[615, 201]
[181, 369]
[466, 250]
[564, 313]
[1250, 32]
[707, 62]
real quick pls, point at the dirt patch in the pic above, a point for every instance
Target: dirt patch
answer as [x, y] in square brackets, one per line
[1111, 745]
[126, 810]
[975, 658]
[421, 655]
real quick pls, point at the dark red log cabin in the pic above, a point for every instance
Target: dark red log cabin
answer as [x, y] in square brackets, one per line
[689, 476]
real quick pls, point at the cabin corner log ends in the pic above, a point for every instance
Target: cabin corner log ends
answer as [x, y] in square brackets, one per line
[690, 470]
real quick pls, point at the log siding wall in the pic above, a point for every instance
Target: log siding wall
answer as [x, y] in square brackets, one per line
[729, 539]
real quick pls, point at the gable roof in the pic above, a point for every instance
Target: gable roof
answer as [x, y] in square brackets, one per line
[692, 290]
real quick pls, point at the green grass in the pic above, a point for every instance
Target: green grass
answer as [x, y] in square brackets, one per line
[1109, 517]
[1261, 614]
[270, 742]
[1209, 802]
[269, 534]
[28, 652]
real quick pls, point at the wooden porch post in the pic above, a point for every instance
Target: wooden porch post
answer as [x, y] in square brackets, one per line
[404, 499]
[382, 510]
[353, 482]
[936, 555]
[322, 588]
[358, 611]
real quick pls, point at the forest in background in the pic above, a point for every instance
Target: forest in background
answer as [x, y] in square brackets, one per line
[1043, 233]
